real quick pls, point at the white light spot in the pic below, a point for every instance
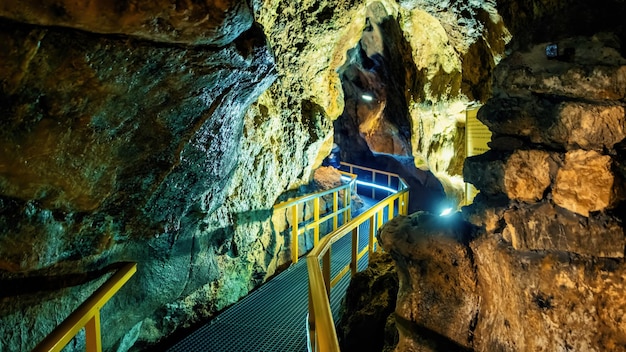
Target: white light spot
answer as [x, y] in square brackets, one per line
[367, 97]
[446, 211]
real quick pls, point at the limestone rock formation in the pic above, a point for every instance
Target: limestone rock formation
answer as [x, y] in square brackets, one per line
[437, 283]
[117, 148]
[459, 293]
[190, 22]
[540, 266]
[409, 80]
[540, 269]
[370, 299]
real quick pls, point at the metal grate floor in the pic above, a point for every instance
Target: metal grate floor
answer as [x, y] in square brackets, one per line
[273, 317]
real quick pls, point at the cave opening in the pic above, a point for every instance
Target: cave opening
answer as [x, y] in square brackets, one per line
[379, 80]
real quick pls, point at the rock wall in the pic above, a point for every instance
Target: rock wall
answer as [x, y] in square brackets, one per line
[422, 63]
[121, 141]
[537, 262]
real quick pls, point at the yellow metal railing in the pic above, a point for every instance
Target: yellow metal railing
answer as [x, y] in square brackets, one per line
[322, 334]
[300, 225]
[87, 315]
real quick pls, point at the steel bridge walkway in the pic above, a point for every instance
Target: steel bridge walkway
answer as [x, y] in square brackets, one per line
[273, 317]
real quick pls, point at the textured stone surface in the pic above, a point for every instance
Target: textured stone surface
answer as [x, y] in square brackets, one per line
[487, 296]
[564, 125]
[586, 183]
[522, 175]
[596, 71]
[116, 149]
[543, 226]
[369, 302]
[527, 175]
[437, 283]
[191, 22]
[547, 277]
[422, 69]
[547, 302]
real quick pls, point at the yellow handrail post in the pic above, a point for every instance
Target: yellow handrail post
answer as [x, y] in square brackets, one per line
[316, 219]
[335, 209]
[405, 202]
[372, 232]
[87, 315]
[346, 203]
[391, 210]
[311, 319]
[326, 271]
[354, 264]
[294, 234]
[93, 338]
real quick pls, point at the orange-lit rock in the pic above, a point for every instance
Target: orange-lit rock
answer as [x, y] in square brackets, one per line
[586, 183]
[566, 124]
[458, 292]
[437, 284]
[543, 226]
[527, 175]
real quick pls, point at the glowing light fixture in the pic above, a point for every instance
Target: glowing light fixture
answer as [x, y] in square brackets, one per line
[446, 211]
[367, 97]
[368, 184]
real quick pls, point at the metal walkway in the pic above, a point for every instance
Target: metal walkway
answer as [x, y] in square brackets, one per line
[273, 317]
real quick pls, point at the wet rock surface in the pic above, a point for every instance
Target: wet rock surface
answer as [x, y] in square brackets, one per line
[115, 149]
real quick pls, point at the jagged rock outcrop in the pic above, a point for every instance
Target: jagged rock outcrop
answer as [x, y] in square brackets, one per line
[409, 80]
[369, 301]
[542, 262]
[563, 171]
[541, 266]
[437, 302]
[117, 148]
[186, 22]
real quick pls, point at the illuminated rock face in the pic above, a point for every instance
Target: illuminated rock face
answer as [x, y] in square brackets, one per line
[542, 266]
[115, 148]
[409, 80]
[577, 130]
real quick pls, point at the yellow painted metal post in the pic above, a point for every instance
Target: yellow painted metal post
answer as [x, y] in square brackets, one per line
[346, 201]
[326, 271]
[294, 234]
[391, 210]
[312, 320]
[316, 219]
[372, 233]
[405, 200]
[354, 264]
[93, 338]
[335, 210]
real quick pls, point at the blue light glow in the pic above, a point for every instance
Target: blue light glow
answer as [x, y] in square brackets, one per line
[373, 185]
[446, 211]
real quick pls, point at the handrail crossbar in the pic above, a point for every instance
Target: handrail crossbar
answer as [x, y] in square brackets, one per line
[321, 327]
[87, 315]
[299, 227]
